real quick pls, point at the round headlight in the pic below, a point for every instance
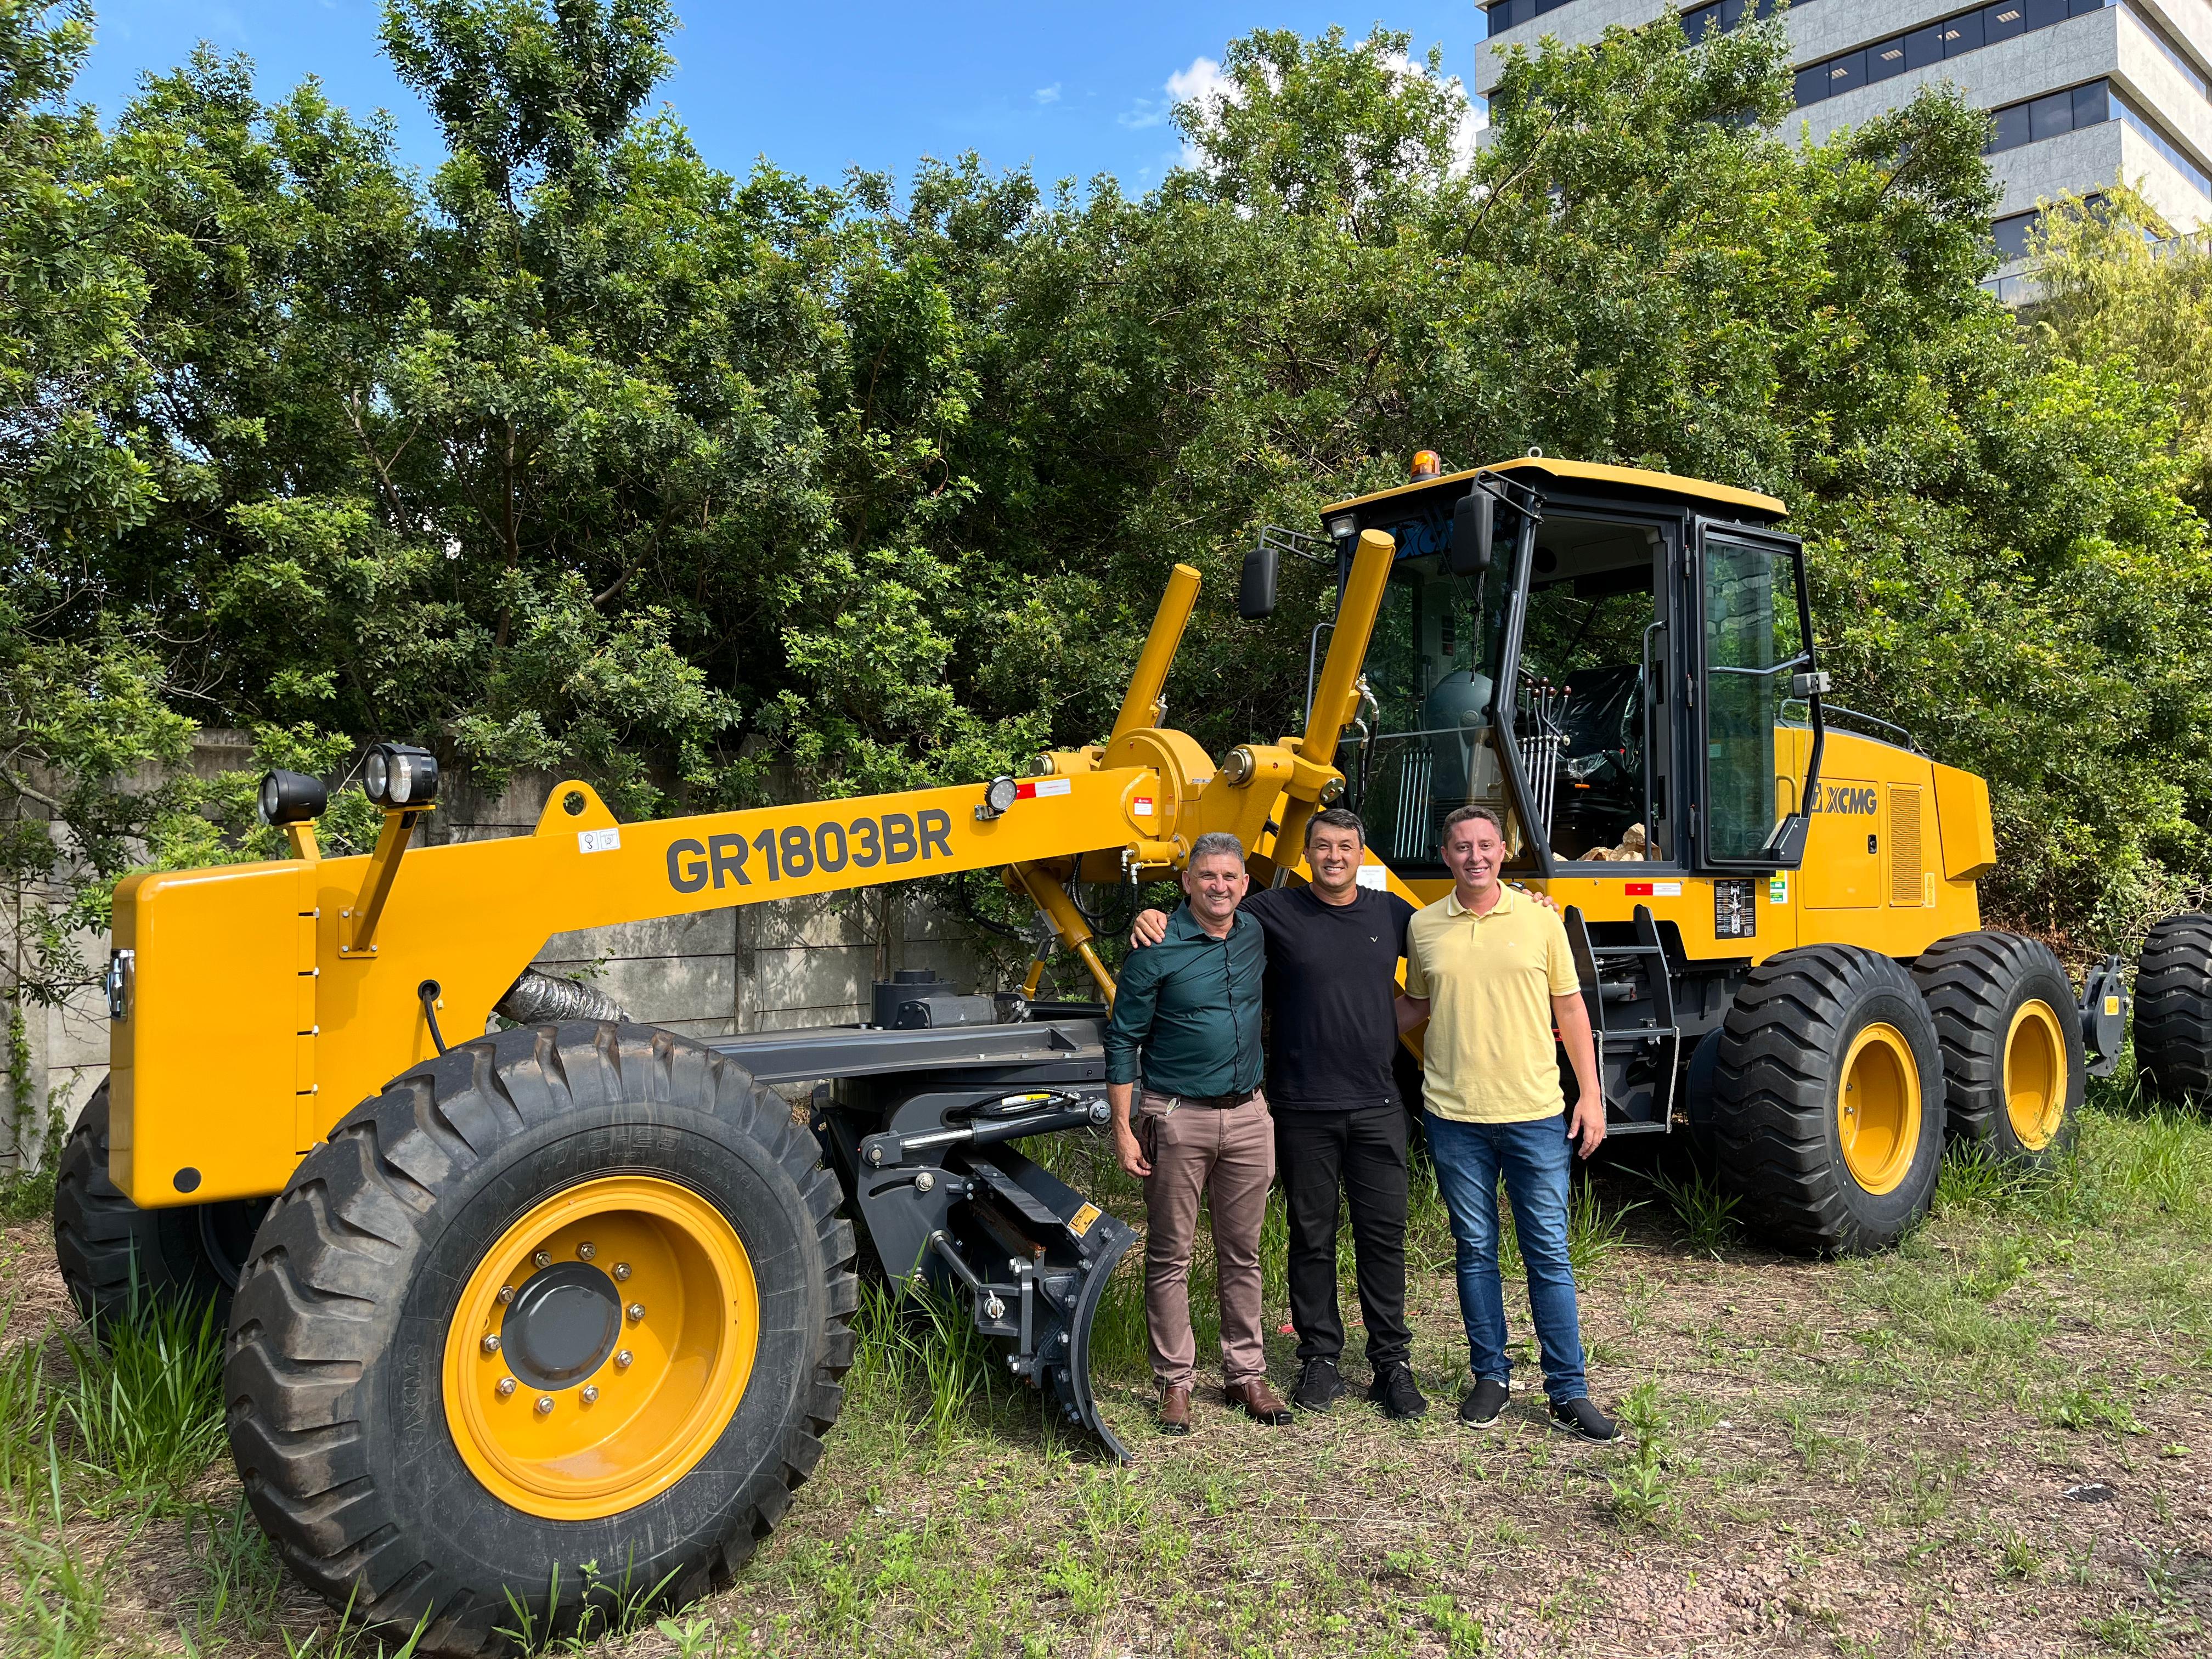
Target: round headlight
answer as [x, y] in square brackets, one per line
[396, 775]
[290, 797]
[998, 795]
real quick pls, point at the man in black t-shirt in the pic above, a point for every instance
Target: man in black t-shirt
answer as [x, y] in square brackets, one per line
[1331, 987]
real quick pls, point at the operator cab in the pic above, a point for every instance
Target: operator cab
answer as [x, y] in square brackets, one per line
[1639, 645]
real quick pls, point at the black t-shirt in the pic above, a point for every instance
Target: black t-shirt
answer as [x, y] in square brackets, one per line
[1331, 983]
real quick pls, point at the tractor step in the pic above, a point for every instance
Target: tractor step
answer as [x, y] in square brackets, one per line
[1630, 992]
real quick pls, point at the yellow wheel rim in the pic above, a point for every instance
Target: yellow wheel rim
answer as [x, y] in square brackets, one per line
[2035, 1080]
[600, 1347]
[1878, 1109]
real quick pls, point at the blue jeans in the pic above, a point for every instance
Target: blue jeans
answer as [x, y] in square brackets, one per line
[1535, 1158]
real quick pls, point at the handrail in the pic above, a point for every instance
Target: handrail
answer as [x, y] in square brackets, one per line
[1830, 710]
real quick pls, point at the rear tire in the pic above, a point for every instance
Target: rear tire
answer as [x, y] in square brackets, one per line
[115, 1256]
[2173, 1011]
[1827, 1101]
[2010, 1027]
[361, 1378]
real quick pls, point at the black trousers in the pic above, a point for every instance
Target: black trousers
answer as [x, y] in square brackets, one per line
[1362, 1154]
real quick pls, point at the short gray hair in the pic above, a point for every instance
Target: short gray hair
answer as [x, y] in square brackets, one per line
[1216, 843]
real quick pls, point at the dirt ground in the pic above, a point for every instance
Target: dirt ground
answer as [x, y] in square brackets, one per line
[1994, 1440]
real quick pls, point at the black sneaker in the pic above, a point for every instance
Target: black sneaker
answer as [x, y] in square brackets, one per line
[1319, 1385]
[1483, 1401]
[1580, 1418]
[1395, 1390]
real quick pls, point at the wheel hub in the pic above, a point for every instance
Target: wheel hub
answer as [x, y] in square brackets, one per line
[1878, 1109]
[600, 1346]
[563, 1326]
[2035, 1080]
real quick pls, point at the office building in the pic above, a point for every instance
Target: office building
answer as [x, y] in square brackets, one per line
[2082, 91]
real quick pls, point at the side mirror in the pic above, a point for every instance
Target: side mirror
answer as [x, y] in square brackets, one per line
[1473, 525]
[1255, 588]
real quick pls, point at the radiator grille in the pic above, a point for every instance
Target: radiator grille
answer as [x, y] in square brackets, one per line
[1905, 884]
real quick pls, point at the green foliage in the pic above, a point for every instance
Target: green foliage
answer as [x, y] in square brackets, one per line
[144, 1403]
[578, 452]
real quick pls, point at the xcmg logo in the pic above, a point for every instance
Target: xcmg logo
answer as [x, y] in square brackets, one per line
[1849, 797]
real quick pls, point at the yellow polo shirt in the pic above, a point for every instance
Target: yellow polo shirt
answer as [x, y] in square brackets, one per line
[1489, 1056]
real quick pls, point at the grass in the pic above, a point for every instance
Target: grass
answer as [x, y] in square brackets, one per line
[1864, 1456]
[145, 1406]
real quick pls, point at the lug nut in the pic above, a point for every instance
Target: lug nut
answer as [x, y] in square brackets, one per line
[546, 1405]
[506, 1386]
[585, 1251]
[492, 1345]
[622, 1272]
[505, 1294]
[636, 1312]
[543, 1259]
[622, 1359]
[591, 1392]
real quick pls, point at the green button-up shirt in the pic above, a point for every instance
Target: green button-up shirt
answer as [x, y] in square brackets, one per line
[1186, 1011]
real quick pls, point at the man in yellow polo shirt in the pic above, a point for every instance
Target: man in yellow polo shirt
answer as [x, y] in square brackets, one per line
[1490, 971]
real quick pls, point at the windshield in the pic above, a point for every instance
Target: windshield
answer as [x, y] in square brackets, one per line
[1429, 667]
[1587, 633]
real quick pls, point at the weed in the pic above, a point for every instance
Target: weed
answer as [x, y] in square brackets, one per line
[145, 1406]
[349, 1640]
[1463, 1634]
[1411, 1562]
[696, 1638]
[609, 1611]
[27, 1408]
[241, 1580]
[1088, 1590]
[1642, 1491]
[1707, 1214]
[58, 1598]
[1594, 1232]
[2019, 1559]
[2081, 1406]
[2124, 1631]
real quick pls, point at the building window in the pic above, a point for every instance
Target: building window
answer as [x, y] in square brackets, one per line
[1721, 15]
[2012, 233]
[1952, 37]
[2048, 117]
[1511, 13]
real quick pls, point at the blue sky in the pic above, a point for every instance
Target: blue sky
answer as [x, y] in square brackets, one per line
[1073, 90]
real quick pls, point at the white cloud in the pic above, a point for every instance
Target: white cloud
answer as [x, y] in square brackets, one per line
[1201, 80]
[1048, 95]
[1199, 83]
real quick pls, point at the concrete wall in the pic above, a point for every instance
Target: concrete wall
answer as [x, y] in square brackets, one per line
[769, 966]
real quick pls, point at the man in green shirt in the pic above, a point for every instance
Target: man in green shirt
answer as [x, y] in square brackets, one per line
[1186, 1020]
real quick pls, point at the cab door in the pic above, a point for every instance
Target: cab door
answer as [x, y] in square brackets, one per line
[1756, 690]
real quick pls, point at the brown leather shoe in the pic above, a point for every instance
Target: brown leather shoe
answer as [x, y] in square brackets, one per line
[1258, 1401]
[1175, 1411]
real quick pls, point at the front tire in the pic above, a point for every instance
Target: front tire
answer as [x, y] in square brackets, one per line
[2173, 1011]
[569, 1294]
[2010, 1027]
[1827, 1101]
[117, 1259]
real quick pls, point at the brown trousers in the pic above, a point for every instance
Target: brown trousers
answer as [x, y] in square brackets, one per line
[1228, 1157]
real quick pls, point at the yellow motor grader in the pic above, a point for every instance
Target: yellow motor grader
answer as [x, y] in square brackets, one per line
[502, 1302]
